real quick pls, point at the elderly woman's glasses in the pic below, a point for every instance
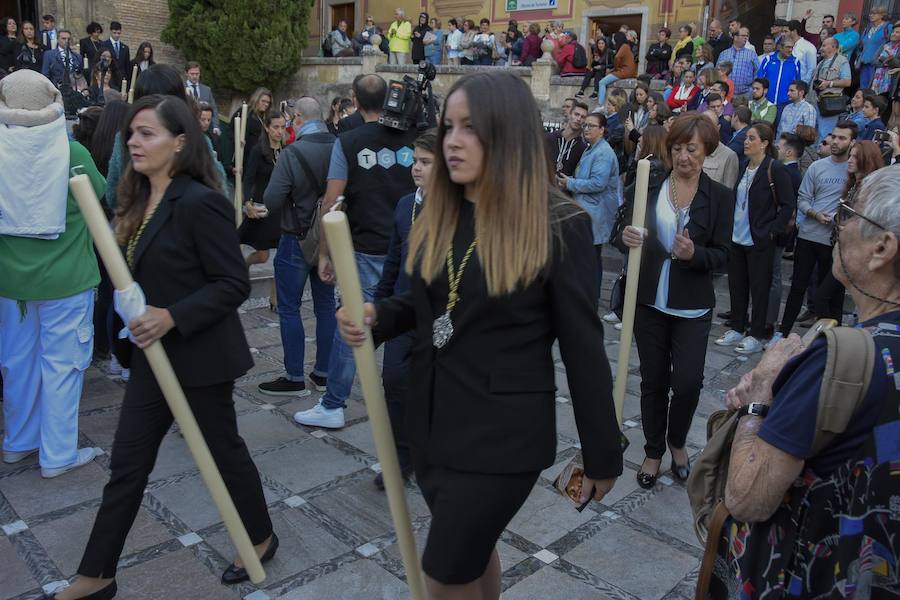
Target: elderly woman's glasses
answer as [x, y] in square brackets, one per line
[845, 213]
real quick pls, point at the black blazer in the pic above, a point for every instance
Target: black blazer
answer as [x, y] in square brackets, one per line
[769, 216]
[710, 225]
[122, 61]
[736, 143]
[485, 402]
[189, 261]
[90, 51]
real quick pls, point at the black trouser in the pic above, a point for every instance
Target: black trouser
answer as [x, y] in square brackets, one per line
[144, 421]
[102, 310]
[750, 277]
[395, 375]
[672, 351]
[596, 75]
[808, 256]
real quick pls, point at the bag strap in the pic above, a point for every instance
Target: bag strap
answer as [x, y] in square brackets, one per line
[844, 384]
[711, 550]
[308, 170]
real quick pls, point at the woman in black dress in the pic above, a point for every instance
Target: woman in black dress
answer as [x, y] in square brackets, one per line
[522, 274]
[257, 107]
[9, 45]
[261, 229]
[31, 52]
[143, 58]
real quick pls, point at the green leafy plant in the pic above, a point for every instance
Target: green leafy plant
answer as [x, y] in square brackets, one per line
[242, 44]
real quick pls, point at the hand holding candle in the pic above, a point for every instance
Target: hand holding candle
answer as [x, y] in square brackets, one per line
[633, 234]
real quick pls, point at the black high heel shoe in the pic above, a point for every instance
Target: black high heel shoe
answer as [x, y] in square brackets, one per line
[106, 593]
[680, 472]
[234, 574]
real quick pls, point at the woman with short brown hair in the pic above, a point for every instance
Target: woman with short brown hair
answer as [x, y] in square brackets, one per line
[685, 238]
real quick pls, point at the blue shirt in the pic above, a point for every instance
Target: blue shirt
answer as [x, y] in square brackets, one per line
[741, 233]
[667, 225]
[869, 129]
[847, 41]
[338, 168]
[596, 187]
[745, 64]
[791, 423]
[797, 113]
[780, 74]
[872, 42]
[394, 279]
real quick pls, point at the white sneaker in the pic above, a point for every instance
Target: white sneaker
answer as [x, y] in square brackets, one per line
[319, 416]
[85, 455]
[126, 374]
[11, 457]
[618, 326]
[611, 317]
[749, 345]
[114, 367]
[776, 337]
[730, 338]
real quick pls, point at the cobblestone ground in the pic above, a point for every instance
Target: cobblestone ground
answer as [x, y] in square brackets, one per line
[335, 528]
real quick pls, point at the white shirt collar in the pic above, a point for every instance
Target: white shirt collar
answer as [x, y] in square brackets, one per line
[419, 195]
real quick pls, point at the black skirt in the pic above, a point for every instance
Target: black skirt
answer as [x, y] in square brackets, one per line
[261, 234]
[469, 511]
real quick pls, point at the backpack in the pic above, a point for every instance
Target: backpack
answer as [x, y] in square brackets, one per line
[579, 58]
[844, 388]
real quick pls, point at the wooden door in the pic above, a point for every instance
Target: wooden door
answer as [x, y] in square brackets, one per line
[344, 12]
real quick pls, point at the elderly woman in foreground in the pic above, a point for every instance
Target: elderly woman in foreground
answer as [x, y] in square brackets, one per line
[815, 521]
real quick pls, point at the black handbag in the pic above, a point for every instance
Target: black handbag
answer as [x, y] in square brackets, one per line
[830, 106]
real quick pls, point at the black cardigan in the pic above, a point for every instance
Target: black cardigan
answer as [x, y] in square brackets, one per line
[710, 228]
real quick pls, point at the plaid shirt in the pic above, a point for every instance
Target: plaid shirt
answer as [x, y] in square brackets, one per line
[745, 63]
[796, 113]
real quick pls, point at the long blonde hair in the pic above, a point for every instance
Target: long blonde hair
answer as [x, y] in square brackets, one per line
[513, 221]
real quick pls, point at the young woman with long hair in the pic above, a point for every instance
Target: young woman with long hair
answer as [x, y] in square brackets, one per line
[262, 229]
[501, 266]
[9, 44]
[143, 58]
[602, 57]
[30, 51]
[257, 106]
[181, 246]
[334, 115]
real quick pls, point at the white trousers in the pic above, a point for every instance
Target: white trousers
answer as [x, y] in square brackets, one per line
[43, 355]
[398, 58]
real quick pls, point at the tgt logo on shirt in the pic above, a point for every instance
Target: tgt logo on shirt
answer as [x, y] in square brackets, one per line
[385, 158]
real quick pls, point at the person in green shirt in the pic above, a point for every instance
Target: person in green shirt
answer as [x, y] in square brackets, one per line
[760, 107]
[46, 291]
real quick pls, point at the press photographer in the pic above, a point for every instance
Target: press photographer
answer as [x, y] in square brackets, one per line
[370, 168]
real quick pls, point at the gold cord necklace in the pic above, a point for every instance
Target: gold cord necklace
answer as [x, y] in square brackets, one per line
[442, 328]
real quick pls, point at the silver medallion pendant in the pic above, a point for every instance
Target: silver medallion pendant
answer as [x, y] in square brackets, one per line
[442, 330]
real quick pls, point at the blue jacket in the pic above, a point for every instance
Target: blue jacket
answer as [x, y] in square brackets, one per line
[596, 188]
[872, 44]
[780, 73]
[868, 130]
[394, 278]
[54, 69]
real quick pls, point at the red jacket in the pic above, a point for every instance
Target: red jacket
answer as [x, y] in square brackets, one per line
[531, 47]
[673, 103]
[564, 60]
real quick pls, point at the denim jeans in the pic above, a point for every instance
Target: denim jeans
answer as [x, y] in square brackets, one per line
[601, 88]
[291, 273]
[341, 366]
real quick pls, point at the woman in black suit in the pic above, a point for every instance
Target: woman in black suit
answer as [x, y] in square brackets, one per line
[31, 52]
[181, 245]
[502, 266]
[262, 229]
[686, 236]
[764, 203]
[257, 107]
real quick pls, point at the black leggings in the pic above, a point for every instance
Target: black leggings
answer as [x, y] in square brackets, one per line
[593, 74]
[829, 299]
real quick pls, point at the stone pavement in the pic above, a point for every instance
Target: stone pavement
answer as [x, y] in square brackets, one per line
[336, 536]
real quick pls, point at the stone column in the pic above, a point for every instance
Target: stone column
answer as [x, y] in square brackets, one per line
[541, 70]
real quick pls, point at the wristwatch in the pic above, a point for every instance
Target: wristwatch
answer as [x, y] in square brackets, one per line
[757, 409]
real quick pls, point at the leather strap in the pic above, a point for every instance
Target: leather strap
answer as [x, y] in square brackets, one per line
[711, 551]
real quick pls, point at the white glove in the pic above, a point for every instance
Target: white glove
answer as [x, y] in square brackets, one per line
[130, 304]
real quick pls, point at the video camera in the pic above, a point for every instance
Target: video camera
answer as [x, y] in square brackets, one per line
[411, 102]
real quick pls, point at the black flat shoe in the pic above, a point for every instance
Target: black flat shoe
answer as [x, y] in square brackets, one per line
[103, 594]
[234, 574]
[646, 480]
[681, 472]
